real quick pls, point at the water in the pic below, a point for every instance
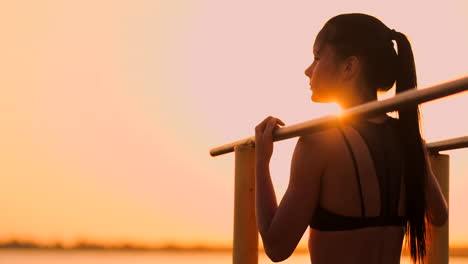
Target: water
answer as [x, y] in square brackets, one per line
[99, 257]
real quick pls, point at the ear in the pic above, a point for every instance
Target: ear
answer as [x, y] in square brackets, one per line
[352, 67]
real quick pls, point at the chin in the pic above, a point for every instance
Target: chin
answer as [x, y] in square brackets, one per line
[320, 99]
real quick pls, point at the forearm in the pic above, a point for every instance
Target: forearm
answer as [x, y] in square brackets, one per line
[265, 197]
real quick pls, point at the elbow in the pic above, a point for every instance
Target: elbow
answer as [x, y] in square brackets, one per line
[439, 222]
[276, 257]
[277, 254]
[440, 219]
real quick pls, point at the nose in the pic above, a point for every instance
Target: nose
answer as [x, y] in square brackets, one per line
[308, 71]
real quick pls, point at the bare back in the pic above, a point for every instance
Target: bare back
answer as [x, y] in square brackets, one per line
[381, 244]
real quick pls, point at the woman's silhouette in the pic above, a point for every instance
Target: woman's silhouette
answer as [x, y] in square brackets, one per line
[364, 185]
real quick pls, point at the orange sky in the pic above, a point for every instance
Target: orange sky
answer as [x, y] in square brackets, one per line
[108, 108]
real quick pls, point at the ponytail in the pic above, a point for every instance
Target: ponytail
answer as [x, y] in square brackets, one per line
[415, 167]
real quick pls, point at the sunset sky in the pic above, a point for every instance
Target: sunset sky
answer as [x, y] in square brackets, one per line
[108, 109]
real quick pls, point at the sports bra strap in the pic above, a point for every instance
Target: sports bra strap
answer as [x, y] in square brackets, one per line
[356, 171]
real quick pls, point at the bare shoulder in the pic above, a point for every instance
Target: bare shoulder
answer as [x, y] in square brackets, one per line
[324, 140]
[318, 146]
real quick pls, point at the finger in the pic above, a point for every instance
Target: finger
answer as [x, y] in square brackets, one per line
[269, 127]
[280, 122]
[264, 122]
[261, 127]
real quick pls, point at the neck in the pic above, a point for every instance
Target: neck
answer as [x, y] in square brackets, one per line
[354, 94]
[352, 101]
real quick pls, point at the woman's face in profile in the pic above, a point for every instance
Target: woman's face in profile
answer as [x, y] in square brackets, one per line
[323, 73]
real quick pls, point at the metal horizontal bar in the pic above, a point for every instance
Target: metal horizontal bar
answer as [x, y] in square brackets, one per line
[448, 144]
[402, 100]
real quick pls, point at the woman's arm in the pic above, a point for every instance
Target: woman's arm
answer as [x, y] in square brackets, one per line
[437, 209]
[281, 227]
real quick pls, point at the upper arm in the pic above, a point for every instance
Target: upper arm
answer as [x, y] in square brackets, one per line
[437, 209]
[300, 199]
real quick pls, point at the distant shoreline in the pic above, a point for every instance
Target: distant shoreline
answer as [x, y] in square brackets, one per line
[128, 247]
[28, 245]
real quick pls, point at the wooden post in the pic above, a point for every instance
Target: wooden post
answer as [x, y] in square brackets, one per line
[438, 246]
[245, 248]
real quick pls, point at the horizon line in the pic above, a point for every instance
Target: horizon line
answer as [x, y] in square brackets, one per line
[16, 244]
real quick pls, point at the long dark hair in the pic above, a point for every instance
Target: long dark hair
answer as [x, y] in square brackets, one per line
[368, 38]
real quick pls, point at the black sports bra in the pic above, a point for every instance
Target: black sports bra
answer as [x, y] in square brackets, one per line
[382, 141]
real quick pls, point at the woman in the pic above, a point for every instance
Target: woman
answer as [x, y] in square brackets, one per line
[345, 182]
